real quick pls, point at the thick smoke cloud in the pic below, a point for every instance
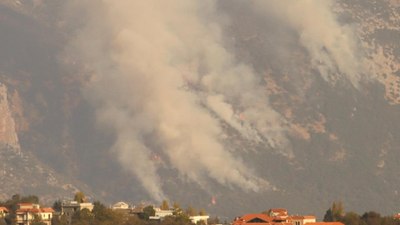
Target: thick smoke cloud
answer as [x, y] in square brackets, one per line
[333, 47]
[164, 82]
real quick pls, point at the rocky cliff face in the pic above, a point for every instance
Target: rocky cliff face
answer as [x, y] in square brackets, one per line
[22, 172]
[28, 78]
[8, 132]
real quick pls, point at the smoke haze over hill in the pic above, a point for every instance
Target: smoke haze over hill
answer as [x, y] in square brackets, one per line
[334, 48]
[146, 56]
[163, 79]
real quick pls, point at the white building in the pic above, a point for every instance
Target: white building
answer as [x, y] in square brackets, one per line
[163, 213]
[160, 214]
[196, 219]
[120, 205]
[301, 220]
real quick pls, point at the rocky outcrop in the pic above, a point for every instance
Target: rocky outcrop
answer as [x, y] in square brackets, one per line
[21, 172]
[379, 31]
[8, 134]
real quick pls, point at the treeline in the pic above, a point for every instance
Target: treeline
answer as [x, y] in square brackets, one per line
[336, 213]
[102, 215]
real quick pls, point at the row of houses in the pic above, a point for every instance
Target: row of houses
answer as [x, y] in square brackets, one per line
[159, 213]
[27, 213]
[279, 216]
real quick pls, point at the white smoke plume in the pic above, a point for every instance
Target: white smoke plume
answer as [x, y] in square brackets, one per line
[333, 47]
[163, 82]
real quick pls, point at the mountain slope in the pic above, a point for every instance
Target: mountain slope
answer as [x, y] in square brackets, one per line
[339, 133]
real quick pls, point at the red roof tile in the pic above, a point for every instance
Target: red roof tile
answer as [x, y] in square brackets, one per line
[25, 203]
[47, 210]
[27, 210]
[255, 219]
[34, 210]
[249, 217]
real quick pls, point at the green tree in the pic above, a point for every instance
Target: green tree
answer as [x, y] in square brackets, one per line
[177, 209]
[202, 212]
[181, 219]
[351, 218]
[335, 213]
[57, 206]
[371, 218]
[16, 197]
[389, 220]
[134, 220]
[82, 217]
[12, 203]
[164, 205]
[190, 211]
[30, 199]
[147, 212]
[37, 220]
[169, 220]
[80, 197]
[106, 216]
[59, 220]
[214, 220]
[11, 218]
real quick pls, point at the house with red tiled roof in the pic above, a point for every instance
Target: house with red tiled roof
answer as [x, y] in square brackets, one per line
[279, 216]
[3, 212]
[397, 216]
[253, 219]
[27, 212]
